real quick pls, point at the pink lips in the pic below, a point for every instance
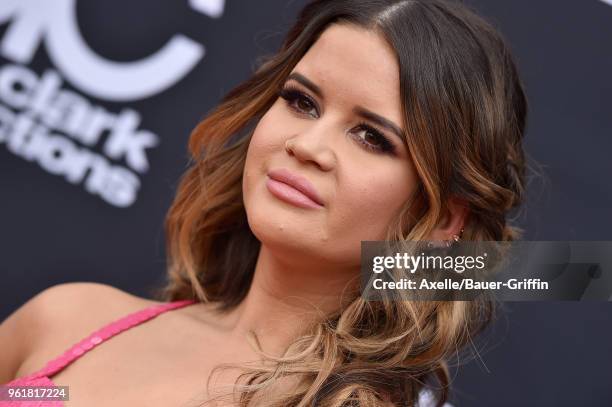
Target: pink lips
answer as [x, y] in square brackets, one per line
[293, 188]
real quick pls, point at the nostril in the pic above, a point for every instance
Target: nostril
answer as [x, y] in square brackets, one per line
[289, 147]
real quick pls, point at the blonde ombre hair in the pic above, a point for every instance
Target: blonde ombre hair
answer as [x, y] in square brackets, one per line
[465, 112]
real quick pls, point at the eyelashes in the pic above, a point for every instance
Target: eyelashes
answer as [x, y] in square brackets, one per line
[292, 95]
[294, 98]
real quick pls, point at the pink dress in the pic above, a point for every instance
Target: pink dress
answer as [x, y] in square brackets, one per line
[43, 376]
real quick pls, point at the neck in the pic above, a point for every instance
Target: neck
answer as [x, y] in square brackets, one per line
[286, 296]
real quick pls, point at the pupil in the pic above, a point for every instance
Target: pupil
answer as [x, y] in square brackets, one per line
[304, 104]
[371, 138]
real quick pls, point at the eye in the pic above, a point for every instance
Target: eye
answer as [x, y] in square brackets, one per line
[298, 101]
[374, 140]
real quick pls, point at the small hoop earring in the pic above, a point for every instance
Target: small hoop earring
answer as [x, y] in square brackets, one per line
[448, 243]
[455, 238]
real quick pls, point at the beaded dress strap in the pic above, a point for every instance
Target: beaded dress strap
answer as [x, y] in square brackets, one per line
[104, 333]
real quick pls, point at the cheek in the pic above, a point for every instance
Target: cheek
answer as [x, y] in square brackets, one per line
[368, 201]
[265, 141]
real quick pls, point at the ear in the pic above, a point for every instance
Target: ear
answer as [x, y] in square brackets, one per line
[452, 221]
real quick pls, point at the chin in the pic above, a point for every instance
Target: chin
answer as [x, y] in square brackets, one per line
[278, 228]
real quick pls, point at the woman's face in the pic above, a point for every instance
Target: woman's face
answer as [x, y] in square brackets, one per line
[341, 140]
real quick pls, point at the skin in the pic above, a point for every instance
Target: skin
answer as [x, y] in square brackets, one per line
[307, 256]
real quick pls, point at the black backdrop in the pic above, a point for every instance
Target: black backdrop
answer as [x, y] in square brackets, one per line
[106, 224]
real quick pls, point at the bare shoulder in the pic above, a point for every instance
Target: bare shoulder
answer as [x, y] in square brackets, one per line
[76, 306]
[56, 318]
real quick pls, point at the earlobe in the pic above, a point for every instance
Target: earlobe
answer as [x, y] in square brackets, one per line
[451, 225]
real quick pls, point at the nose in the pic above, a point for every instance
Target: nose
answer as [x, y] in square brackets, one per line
[313, 145]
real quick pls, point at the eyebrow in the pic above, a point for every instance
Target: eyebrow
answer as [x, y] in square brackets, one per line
[358, 110]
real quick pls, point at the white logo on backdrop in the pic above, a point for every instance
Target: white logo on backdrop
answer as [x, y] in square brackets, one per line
[58, 128]
[53, 22]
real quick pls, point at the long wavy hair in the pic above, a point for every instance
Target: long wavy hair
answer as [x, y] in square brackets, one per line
[465, 112]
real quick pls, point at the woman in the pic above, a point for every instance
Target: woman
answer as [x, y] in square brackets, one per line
[377, 120]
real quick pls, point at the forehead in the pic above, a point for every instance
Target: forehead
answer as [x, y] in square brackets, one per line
[355, 66]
